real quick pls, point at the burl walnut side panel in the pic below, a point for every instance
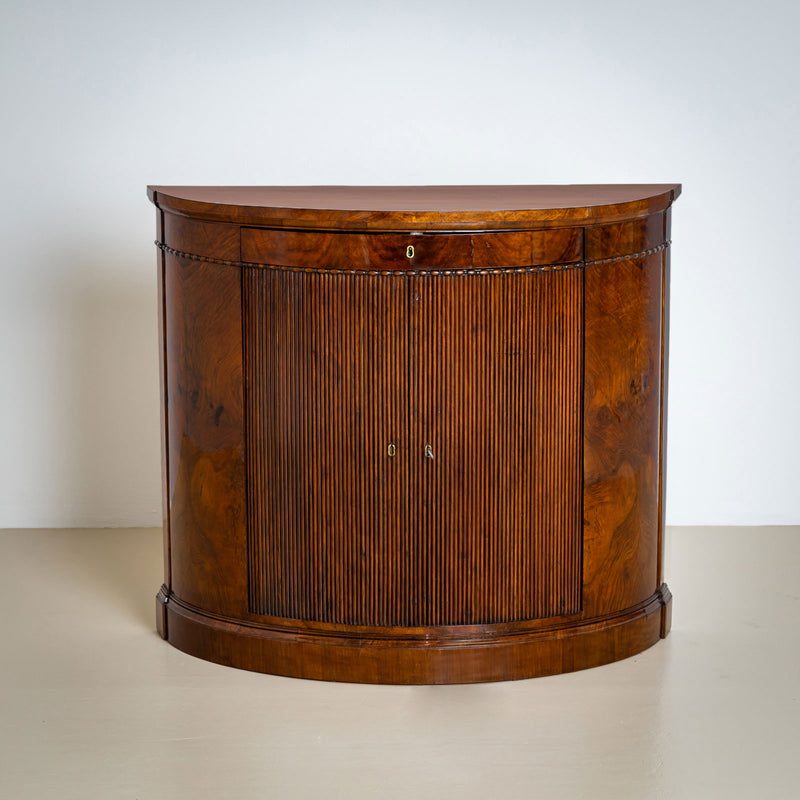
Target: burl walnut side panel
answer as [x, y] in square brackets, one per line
[621, 432]
[205, 432]
[413, 434]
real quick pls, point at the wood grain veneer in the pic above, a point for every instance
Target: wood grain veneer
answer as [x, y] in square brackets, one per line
[413, 434]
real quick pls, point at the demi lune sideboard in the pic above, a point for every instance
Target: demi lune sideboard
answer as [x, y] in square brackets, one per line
[413, 434]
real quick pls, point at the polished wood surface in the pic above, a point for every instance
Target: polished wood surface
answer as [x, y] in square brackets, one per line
[435, 466]
[327, 365]
[410, 251]
[461, 524]
[495, 391]
[205, 442]
[409, 208]
[622, 391]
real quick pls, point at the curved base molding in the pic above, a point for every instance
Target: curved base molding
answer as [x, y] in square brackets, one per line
[494, 653]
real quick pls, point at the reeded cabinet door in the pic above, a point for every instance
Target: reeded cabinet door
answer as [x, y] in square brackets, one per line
[326, 382]
[496, 377]
[414, 446]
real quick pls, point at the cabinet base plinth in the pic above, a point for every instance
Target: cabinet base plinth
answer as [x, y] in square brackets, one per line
[494, 653]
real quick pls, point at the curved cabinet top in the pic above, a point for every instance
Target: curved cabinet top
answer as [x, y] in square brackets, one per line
[403, 208]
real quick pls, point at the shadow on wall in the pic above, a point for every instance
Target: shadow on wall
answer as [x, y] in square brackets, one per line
[97, 420]
[104, 398]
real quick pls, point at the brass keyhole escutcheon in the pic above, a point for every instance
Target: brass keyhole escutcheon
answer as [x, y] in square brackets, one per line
[391, 450]
[410, 251]
[428, 451]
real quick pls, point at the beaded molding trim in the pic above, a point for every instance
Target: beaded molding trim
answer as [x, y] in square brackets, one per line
[416, 272]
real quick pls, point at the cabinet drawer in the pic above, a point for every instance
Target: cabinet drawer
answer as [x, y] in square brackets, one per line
[312, 249]
[390, 251]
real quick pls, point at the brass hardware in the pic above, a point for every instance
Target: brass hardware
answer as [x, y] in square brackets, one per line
[391, 450]
[410, 251]
[428, 451]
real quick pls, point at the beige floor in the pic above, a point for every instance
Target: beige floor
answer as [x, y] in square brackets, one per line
[94, 705]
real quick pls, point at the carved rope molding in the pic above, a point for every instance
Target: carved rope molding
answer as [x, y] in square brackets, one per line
[416, 272]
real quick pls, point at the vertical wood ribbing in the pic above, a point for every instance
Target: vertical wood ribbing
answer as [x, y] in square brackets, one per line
[487, 369]
[325, 355]
[499, 375]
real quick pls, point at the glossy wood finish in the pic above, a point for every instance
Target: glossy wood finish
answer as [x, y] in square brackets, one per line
[662, 475]
[161, 616]
[432, 657]
[416, 208]
[327, 365]
[485, 527]
[496, 380]
[205, 435]
[439, 467]
[411, 251]
[621, 433]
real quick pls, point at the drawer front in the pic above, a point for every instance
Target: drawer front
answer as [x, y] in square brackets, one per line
[312, 249]
[410, 251]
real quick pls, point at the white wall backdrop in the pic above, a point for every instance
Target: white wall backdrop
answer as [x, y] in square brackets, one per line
[101, 98]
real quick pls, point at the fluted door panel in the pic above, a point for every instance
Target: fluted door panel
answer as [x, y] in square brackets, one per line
[475, 382]
[497, 376]
[326, 374]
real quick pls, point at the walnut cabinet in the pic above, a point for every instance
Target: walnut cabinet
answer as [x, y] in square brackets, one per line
[413, 434]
